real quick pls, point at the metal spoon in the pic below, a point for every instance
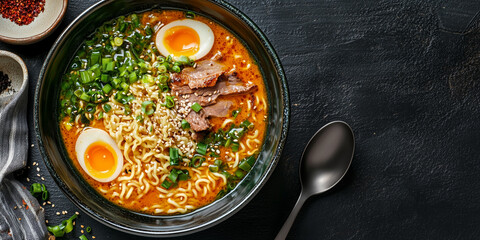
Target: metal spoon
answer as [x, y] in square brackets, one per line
[324, 162]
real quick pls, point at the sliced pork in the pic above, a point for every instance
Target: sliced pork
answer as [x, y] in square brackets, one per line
[205, 74]
[203, 85]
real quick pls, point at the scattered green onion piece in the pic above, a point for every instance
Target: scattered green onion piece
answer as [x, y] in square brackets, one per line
[107, 88]
[185, 124]
[57, 231]
[183, 176]
[176, 69]
[173, 175]
[169, 102]
[118, 41]
[174, 156]
[236, 112]
[197, 161]
[88, 229]
[213, 168]
[82, 237]
[148, 107]
[35, 189]
[202, 148]
[244, 166]
[190, 15]
[104, 78]
[228, 142]
[196, 107]
[218, 162]
[183, 60]
[166, 184]
[107, 107]
[85, 97]
[235, 147]
[239, 173]
[45, 195]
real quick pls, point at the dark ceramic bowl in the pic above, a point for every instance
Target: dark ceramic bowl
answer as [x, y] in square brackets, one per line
[84, 196]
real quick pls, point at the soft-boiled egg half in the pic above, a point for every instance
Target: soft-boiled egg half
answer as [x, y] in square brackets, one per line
[99, 155]
[185, 37]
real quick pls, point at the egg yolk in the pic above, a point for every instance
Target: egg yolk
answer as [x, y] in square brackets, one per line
[181, 40]
[100, 159]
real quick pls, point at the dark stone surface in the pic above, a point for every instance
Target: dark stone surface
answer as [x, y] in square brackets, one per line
[403, 74]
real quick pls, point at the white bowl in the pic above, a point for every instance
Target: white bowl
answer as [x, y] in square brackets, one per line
[41, 27]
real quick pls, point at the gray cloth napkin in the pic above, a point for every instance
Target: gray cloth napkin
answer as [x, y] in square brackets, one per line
[21, 216]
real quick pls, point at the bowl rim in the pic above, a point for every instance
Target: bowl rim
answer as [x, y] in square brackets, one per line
[40, 36]
[220, 218]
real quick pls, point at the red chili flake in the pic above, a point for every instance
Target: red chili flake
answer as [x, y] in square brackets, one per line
[21, 12]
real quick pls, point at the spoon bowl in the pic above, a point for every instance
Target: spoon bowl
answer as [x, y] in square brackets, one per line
[324, 162]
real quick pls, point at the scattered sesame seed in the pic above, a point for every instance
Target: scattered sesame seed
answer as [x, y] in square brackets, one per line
[53, 205]
[81, 231]
[43, 178]
[38, 175]
[32, 145]
[46, 221]
[28, 179]
[58, 213]
[77, 213]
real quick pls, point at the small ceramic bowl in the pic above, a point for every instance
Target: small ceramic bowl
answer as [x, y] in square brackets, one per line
[44, 24]
[13, 66]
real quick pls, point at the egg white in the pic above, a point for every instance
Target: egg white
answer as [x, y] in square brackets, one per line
[203, 30]
[93, 135]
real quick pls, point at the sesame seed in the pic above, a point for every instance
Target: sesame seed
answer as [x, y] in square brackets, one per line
[77, 213]
[58, 213]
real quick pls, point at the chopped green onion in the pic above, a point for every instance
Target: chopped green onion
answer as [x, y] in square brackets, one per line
[107, 107]
[213, 168]
[45, 195]
[82, 237]
[239, 173]
[85, 97]
[202, 148]
[88, 229]
[235, 146]
[244, 166]
[196, 107]
[35, 189]
[218, 162]
[139, 118]
[65, 227]
[57, 231]
[173, 175]
[174, 156]
[169, 102]
[148, 107]
[107, 88]
[94, 58]
[236, 112]
[190, 15]
[166, 184]
[185, 124]
[118, 41]
[246, 124]
[176, 69]
[197, 161]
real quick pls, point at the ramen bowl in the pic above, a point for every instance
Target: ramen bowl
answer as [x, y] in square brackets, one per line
[83, 195]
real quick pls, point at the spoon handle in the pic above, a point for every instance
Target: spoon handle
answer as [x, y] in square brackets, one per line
[291, 218]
